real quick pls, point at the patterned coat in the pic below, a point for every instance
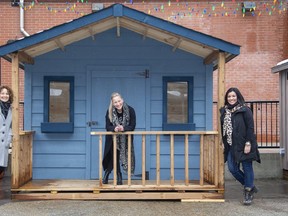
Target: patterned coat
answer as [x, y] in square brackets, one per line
[5, 136]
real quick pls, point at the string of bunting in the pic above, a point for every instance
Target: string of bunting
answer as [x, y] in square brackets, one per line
[186, 9]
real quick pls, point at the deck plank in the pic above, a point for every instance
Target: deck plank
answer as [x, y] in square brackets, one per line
[92, 185]
[90, 190]
[190, 196]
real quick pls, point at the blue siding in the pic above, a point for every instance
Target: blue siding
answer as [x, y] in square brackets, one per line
[67, 155]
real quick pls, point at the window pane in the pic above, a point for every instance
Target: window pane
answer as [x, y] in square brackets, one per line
[177, 102]
[59, 102]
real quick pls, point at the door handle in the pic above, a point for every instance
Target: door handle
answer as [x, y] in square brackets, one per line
[91, 123]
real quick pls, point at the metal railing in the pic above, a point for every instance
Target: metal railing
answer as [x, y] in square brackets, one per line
[266, 122]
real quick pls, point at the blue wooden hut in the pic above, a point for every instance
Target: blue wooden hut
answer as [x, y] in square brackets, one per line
[163, 70]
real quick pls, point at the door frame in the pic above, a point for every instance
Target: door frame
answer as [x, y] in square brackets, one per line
[89, 109]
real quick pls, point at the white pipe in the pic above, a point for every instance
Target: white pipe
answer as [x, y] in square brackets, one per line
[22, 19]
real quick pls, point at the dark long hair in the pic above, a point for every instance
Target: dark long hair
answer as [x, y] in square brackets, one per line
[240, 98]
[10, 92]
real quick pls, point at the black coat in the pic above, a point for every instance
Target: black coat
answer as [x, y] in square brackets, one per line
[243, 131]
[108, 150]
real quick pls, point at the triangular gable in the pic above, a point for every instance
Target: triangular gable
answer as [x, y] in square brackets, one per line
[119, 16]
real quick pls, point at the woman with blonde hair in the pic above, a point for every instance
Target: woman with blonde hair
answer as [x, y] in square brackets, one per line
[119, 117]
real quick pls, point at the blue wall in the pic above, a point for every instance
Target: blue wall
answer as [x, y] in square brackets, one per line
[64, 156]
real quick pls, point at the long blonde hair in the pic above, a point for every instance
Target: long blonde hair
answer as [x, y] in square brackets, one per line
[114, 94]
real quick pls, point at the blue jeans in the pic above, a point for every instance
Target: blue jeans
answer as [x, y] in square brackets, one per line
[245, 177]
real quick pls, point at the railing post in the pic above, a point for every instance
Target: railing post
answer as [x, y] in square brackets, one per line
[172, 159]
[187, 160]
[100, 160]
[201, 168]
[143, 159]
[217, 148]
[158, 160]
[129, 159]
[115, 159]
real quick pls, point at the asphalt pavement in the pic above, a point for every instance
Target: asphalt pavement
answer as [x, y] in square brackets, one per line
[272, 199]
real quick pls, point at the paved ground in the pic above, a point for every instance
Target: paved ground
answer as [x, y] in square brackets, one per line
[272, 199]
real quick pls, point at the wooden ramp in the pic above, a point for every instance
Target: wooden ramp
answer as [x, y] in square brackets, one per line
[90, 190]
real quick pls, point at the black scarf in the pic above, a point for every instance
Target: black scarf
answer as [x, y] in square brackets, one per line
[5, 106]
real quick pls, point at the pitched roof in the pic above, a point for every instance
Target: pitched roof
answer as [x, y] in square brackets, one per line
[281, 66]
[119, 16]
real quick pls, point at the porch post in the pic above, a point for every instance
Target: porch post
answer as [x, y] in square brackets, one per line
[221, 94]
[15, 123]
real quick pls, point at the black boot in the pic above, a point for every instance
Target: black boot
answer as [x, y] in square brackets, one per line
[253, 190]
[105, 177]
[247, 196]
[119, 178]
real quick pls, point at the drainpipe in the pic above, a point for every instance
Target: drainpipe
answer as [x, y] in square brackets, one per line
[22, 19]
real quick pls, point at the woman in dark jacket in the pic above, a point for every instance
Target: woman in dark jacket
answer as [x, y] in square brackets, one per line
[119, 117]
[240, 144]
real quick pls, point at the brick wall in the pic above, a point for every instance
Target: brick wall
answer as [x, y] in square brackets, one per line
[262, 37]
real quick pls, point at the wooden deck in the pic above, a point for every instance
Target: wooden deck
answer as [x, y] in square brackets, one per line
[209, 187]
[90, 190]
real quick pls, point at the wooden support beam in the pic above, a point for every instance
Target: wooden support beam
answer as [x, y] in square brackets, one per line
[221, 95]
[118, 26]
[145, 33]
[92, 33]
[177, 44]
[23, 57]
[221, 85]
[15, 123]
[59, 44]
[212, 57]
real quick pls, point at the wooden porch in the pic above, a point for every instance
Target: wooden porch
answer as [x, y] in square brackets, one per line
[90, 190]
[209, 187]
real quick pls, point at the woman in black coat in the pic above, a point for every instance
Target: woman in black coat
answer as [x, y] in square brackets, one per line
[119, 117]
[240, 144]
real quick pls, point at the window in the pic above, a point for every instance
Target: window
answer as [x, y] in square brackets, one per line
[58, 105]
[178, 103]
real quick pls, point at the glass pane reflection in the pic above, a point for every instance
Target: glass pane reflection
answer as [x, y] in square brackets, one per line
[177, 102]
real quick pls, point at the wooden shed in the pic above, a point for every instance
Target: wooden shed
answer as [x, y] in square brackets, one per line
[282, 69]
[163, 70]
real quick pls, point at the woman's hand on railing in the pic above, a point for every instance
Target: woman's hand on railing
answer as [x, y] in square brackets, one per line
[119, 128]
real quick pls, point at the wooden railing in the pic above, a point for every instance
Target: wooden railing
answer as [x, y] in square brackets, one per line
[211, 171]
[22, 152]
